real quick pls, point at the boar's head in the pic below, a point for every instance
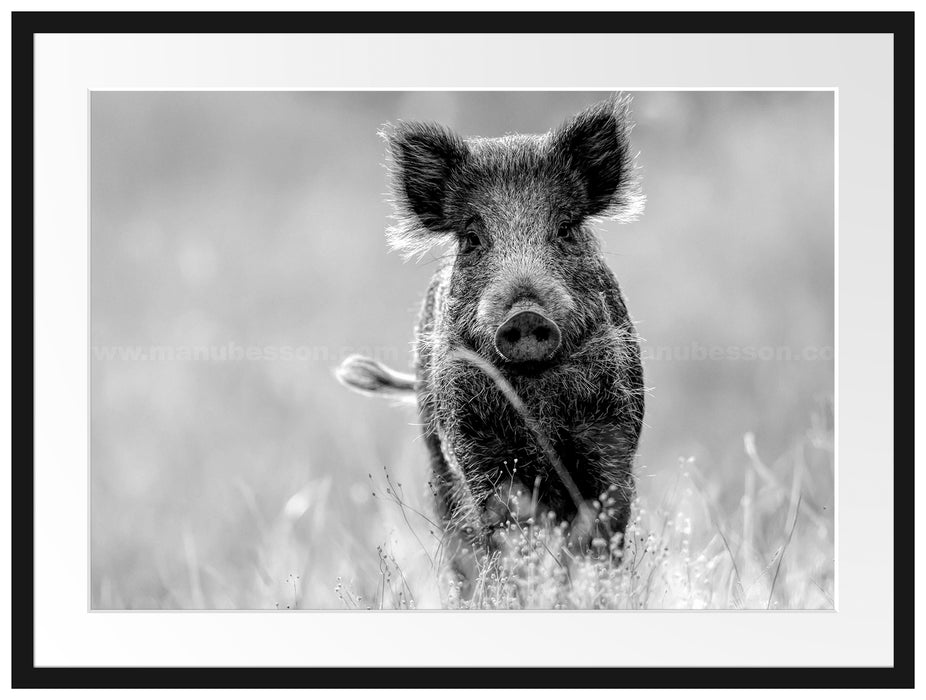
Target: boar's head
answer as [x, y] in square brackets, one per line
[528, 279]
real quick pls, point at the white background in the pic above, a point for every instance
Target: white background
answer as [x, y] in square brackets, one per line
[858, 634]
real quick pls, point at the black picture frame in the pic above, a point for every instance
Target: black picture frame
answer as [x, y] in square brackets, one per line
[25, 25]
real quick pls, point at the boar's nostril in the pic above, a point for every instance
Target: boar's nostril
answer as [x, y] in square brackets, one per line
[527, 336]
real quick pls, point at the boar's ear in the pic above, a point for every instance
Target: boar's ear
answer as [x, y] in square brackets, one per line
[594, 147]
[425, 162]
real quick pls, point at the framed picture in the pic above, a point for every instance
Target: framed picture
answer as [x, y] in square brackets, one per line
[625, 282]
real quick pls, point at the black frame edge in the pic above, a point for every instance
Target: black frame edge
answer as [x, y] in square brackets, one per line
[24, 25]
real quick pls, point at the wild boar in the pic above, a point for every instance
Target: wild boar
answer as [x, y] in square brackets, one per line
[527, 371]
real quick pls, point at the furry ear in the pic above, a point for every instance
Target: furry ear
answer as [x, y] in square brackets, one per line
[424, 159]
[595, 148]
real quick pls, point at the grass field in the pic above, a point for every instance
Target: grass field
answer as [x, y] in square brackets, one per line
[772, 548]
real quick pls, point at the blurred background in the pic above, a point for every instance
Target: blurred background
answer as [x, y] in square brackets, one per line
[237, 254]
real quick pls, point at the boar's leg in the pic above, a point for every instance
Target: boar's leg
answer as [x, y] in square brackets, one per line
[602, 460]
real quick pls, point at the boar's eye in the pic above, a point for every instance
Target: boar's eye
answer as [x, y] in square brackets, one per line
[470, 240]
[566, 232]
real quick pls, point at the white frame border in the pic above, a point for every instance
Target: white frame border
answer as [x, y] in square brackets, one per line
[861, 633]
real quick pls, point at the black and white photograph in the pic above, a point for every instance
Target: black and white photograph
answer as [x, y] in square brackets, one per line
[490, 349]
[467, 350]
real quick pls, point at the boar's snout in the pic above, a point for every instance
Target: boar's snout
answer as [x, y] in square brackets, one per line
[527, 335]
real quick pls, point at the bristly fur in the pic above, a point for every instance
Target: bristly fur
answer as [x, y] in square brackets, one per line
[430, 167]
[517, 209]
